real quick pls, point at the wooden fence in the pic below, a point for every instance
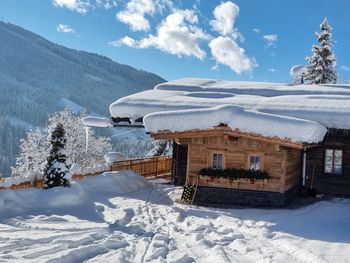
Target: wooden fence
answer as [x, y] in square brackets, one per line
[148, 167]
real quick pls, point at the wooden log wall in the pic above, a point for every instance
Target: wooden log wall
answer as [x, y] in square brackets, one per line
[329, 183]
[282, 163]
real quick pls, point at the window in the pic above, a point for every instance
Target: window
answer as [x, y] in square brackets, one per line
[333, 161]
[217, 161]
[254, 162]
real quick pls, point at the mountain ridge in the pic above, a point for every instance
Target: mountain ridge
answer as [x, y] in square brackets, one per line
[36, 73]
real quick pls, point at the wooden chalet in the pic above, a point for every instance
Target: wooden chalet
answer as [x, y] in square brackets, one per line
[239, 165]
[221, 148]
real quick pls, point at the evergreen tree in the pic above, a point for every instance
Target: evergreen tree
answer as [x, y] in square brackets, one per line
[321, 65]
[57, 167]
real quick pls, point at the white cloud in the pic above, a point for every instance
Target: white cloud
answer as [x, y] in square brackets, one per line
[271, 40]
[65, 29]
[80, 6]
[226, 51]
[257, 30]
[135, 11]
[224, 48]
[179, 34]
[176, 35]
[346, 68]
[272, 70]
[107, 4]
[127, 41]
[225, 15]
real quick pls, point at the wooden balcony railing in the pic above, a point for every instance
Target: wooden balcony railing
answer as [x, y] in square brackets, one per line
[148, 167]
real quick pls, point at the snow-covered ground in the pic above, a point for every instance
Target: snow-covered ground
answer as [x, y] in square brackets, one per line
[120, 217]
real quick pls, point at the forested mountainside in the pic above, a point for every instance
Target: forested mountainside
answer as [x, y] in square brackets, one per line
[38, 77]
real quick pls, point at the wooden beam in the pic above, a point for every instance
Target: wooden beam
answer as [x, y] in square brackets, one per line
[222, 131]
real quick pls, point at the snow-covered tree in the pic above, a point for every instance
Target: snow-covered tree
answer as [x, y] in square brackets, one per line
[56, 172]
[76, 144]
[321, 65]
[34, 149]
[161, 148]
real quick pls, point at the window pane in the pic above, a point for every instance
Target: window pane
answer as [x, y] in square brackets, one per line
[338, 156]
[217, 161]
[215, 158]
[254, 162]
[328, 168]
[337, 169]
[257, 163]
[333, 161]
[328, 162]
[338, 161]
[329, 153]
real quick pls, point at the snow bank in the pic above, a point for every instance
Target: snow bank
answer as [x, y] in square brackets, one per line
[112, 157]
[327, 104]
[96, 122]
[297, 130]
[116, 183]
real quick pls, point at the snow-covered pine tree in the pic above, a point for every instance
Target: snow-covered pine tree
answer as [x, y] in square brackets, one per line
[321, 65]
[57, 167]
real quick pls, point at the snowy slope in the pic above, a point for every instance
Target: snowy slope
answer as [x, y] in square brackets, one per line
[38, 77]
[104, 220]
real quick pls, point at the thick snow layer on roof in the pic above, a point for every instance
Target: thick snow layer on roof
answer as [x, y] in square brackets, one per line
[112, 157]
[96, 122]
[326, 104]
[271, 125]
[266, 89]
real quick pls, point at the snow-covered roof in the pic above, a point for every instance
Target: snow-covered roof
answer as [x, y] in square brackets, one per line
[328, 105]
[252, 121]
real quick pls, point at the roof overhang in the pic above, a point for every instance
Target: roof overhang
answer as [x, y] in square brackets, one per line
[226, 131]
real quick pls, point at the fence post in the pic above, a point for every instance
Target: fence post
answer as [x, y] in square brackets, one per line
[157, 159]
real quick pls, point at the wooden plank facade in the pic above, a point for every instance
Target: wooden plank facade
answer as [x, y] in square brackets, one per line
[282, 160]
[193, 151]
[278, 161]
[316, 175]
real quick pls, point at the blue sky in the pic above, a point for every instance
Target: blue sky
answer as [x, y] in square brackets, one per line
[240, 40]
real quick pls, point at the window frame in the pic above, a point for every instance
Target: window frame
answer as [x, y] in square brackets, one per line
[211, 159]
[256, 154]
[333, 161]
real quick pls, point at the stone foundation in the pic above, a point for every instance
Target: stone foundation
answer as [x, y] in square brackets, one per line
[223, 197]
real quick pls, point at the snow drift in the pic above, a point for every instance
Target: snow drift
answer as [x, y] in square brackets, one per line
[116, 183]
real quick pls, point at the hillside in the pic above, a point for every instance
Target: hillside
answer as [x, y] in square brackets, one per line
[38, 77]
